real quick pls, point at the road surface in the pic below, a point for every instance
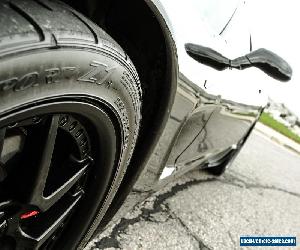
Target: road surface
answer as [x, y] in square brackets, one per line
[258, 195]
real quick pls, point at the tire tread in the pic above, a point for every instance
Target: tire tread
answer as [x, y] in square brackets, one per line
[30, 24]
[29, 19]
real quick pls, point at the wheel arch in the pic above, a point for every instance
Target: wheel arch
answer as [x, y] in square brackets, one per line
[142, 31]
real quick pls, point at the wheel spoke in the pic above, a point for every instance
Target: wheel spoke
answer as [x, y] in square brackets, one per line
[2, 137]
[38, 199]
[46, 202]
[45, 164]
[34, 242]
[2, 170]
[24, 241]
[50, 230]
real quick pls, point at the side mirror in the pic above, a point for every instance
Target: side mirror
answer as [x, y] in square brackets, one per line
[265, 60]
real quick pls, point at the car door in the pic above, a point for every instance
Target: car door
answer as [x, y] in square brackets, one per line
[241, 97]
[202, 21]
[222, 114]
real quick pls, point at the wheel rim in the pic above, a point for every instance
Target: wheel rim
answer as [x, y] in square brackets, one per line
[49, 150]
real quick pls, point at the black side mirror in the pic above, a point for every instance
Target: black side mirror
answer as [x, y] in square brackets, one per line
[265, 60]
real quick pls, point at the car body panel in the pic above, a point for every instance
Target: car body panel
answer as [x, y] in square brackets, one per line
[206, 121]
[212, 113]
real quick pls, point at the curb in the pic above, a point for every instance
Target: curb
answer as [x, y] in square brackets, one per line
[273, 138]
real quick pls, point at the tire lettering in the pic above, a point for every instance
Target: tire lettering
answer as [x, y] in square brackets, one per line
[17, 84]
[27, 81]
[52, 75]
[8, 84]
[68, 72]
[124, 119]
[98, 69]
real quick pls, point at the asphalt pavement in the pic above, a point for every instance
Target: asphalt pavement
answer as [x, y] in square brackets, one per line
[258, 195]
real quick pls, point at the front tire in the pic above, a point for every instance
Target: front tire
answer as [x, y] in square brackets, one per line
[61, 75]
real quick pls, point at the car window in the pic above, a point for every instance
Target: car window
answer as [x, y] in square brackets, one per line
[237, 32]
[216, 13]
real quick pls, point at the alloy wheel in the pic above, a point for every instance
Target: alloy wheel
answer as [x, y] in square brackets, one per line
[48, 152]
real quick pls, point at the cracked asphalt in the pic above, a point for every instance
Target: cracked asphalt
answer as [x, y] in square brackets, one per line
[258, 195]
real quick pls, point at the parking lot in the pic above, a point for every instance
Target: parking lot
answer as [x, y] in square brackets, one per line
[258, 195]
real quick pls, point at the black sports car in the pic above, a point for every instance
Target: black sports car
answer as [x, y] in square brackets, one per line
[97, 99]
